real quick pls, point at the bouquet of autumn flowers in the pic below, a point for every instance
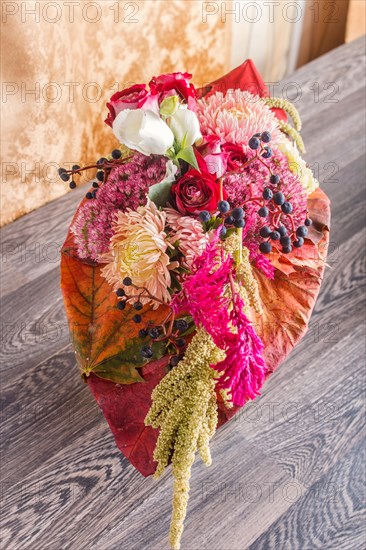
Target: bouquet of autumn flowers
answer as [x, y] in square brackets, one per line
[192, 265]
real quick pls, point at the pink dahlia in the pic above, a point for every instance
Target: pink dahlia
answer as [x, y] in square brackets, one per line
[236, 116]
[188, 233]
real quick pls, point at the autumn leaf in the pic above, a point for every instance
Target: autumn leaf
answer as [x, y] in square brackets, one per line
[105, 339]
[125, 407]
[289, 299]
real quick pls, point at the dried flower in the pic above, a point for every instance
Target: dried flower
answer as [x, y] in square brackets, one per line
[184, 406]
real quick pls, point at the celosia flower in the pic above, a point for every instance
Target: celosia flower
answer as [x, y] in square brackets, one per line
[203, 292]
[138, 250]
[127, 187]
[259, 260]
[189, 234]
[236, 116]
[203, 297]
[243, 369]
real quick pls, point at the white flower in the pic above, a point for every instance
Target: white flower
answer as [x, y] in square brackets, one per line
[144, 131]
[170, 171]
[185, 127]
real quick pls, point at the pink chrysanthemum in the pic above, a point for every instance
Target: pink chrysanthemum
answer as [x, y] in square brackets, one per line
[127, 187]
[189, 234]
[138, 251]
[236, 116]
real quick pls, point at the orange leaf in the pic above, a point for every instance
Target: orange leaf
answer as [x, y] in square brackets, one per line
[100, 332]
[289, 299]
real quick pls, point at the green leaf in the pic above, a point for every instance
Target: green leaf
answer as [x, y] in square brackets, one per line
[187, 154]
[121, 368]
[118, 370]
[160, 193]
[213, 223]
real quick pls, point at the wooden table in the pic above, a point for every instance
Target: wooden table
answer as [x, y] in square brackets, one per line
[287, 472]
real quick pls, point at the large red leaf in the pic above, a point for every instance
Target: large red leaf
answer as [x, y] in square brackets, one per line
[125, 408]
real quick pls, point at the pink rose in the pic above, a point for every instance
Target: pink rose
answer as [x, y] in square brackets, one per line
[222, 157]
[173, 84]
[132, 98]
[235, 156]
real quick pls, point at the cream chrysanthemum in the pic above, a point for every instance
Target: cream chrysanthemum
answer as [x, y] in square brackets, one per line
[297, 165]
[236, 116]
[189, 234]
[138, 250]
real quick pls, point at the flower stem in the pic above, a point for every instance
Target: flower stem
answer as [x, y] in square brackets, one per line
[239, 252]
[221, 190]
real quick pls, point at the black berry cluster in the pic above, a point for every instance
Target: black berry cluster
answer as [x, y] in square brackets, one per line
[170, 335]
[103, 167]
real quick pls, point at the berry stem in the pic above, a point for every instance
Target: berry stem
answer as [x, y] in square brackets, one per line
[109, 164]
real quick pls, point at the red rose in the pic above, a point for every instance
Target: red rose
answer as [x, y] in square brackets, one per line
[196, 191]
[130, 98]
[173, 84]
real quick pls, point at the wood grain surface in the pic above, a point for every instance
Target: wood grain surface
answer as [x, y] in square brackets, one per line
[288, 470]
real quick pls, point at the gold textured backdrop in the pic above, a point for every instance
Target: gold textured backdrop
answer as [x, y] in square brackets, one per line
[61, 61]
